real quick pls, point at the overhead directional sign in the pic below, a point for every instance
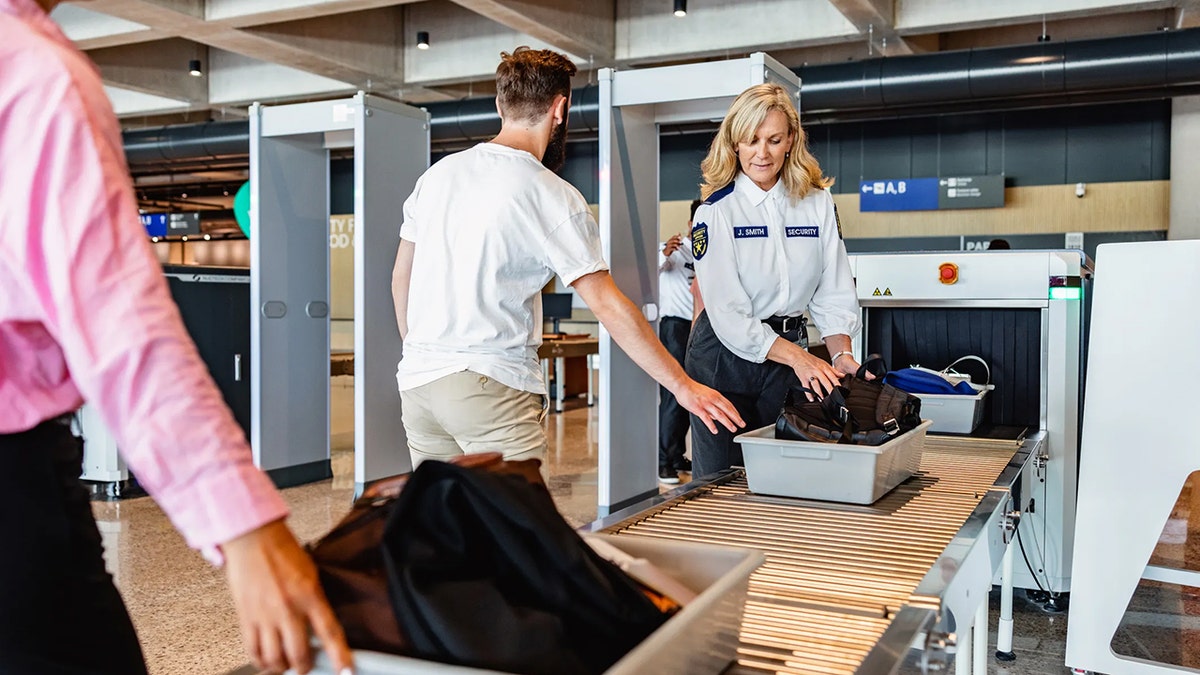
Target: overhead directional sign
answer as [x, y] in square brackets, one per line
[173, 224]
[931, 194]
[155, 224]
[910, 194]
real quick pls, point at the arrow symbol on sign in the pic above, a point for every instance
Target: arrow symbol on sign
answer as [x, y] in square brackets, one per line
[866, 189]
[942, 182]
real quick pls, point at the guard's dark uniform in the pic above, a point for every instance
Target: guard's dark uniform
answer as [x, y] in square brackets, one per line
[762, 258]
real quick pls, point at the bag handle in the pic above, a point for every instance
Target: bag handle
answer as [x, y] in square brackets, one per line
[970, 357]
[873, 364]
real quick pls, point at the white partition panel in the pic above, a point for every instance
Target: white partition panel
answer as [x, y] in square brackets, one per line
[1137, 448]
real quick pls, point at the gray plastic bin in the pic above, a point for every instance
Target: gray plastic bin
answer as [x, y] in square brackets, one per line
[701, 638]
[859, 474]
[955, 413]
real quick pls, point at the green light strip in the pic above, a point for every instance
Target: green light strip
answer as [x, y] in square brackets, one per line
[1065, 293]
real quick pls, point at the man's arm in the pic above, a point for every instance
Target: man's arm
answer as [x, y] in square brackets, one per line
[634, 335]
[401, 275]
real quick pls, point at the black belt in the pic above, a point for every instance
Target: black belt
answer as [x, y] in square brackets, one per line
[790, 328]
[787, 324]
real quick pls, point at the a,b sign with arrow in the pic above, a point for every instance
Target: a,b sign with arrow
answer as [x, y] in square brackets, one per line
[931, 194]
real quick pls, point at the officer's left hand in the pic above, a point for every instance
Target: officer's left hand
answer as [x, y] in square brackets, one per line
[673, 244]
[709, 406]
[846, 365]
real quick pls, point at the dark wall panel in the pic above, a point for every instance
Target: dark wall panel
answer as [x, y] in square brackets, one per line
[1101, 143]
[889, 155]
[679, 165]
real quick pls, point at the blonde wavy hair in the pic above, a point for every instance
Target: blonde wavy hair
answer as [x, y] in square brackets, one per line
[801, 173]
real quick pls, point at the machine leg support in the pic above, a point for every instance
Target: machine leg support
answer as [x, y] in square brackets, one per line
[1004, 636]
[963, 652]
[1004, 632]
[980, 638]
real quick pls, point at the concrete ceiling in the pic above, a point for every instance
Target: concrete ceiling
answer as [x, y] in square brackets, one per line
[284, 50]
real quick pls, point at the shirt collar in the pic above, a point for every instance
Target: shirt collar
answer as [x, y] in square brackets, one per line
[755, 194]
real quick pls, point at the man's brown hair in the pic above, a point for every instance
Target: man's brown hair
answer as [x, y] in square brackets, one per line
[527, 81]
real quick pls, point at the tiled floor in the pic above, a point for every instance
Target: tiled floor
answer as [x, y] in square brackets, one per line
[186, 621]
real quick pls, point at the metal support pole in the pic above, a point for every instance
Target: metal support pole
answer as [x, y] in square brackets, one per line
[591, 361]
[560, 382]
[981, 637]
[1004, 631]
[962, 657]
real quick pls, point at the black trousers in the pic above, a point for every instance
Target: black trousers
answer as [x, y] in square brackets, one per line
[672, 417]
[757, 391]
[60, 613]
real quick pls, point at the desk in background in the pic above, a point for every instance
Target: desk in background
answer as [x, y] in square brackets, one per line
[559, 349]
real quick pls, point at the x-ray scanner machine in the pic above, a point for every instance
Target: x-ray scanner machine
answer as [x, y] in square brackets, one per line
[633, 104]
[289, 280]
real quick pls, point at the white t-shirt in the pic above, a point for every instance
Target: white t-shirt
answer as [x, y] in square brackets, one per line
[762, 254]
[492, 227]
[675, 274]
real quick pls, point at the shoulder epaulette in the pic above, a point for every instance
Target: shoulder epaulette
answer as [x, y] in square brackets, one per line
[719, 195]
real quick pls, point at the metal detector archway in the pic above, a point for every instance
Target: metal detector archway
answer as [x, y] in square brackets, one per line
[633, 104]
[289, 280]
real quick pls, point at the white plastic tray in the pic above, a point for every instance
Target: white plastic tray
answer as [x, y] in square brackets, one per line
[859, 474]
[955, 413]
[701, 638]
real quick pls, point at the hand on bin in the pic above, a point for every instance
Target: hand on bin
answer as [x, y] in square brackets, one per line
[278, 597]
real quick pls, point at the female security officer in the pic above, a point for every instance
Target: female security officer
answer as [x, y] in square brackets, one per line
[768, 245]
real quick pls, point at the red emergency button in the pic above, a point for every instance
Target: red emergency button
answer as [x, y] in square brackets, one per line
[948, 273]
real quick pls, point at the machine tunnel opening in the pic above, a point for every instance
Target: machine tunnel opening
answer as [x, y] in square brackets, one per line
[1008, 339]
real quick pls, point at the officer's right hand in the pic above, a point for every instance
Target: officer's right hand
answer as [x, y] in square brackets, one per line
[816, 374]
[709, 406]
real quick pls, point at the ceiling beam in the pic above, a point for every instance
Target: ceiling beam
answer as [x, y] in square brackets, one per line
[875, 19]
[358, 48]
[586, 28]
[1188, 14]
[159, 68]
[367, 46]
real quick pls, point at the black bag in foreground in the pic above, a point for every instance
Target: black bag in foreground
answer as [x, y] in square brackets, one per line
[858, 411]
[484, 572]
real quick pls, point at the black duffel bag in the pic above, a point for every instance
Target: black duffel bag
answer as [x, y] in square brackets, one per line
[858, 411]
[471, 564]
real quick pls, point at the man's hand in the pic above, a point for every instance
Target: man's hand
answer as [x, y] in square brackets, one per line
[278, 597]
[672, 245]
[708, 405]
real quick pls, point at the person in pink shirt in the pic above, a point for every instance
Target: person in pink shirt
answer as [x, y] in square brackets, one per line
[85, 315]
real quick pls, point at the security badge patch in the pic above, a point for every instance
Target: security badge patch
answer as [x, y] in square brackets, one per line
[699, 240]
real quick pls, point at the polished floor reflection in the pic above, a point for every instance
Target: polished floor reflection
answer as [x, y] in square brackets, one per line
[185, 619]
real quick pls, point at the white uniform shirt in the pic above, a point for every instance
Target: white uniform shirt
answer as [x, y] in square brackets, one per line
[675, 274]
[492, 226]
[762, 254]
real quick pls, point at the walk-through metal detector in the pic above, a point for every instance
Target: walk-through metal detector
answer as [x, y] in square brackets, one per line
[289, 280]
[633, 104]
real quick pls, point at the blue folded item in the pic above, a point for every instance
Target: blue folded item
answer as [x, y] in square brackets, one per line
[917, 381]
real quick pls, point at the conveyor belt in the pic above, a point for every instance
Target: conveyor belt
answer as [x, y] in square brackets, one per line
[836, 574]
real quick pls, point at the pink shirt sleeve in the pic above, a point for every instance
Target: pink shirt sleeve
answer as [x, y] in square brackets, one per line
[106, 303]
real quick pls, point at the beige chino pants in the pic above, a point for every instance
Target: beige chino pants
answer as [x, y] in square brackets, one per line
[468, 413]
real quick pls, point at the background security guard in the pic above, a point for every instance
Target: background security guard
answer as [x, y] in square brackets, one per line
[767, 245]
[676, 272]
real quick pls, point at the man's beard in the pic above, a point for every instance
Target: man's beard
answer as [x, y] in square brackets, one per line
[556, 151]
